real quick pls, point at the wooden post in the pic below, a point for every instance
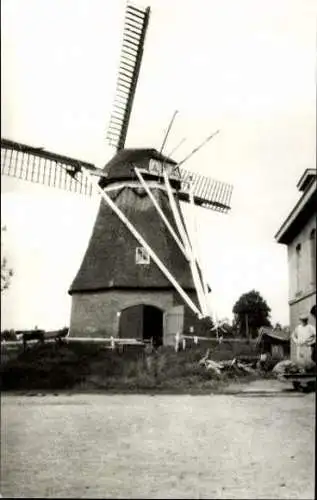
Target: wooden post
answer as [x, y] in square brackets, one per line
[177, 341]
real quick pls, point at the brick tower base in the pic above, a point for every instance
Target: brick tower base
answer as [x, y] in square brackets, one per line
[98, 314]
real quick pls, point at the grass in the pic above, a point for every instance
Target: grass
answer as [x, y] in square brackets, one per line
[89, 367]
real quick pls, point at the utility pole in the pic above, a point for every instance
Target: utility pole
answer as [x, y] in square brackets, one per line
[247, 326]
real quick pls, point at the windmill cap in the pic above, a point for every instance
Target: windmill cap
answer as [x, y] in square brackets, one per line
[121, 166]
[303, 316]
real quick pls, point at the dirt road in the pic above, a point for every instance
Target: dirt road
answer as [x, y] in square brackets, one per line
[254, 444]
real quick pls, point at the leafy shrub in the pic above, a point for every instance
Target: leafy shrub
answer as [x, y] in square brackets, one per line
[90, 366]
[8, 335]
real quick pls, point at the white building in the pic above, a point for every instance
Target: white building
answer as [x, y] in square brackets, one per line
[298, 232]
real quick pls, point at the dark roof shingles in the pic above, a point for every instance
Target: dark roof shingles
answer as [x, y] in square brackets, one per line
[109, 261]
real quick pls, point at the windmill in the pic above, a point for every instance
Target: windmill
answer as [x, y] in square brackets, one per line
[140, 276]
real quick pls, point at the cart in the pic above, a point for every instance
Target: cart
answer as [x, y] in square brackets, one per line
[302, 381]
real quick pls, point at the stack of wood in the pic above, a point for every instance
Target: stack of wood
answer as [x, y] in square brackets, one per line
[219, 367]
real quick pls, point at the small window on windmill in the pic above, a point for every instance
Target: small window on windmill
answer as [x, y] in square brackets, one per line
[155, 167]
[142, 256]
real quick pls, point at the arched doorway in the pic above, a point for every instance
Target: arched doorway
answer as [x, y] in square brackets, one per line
[142, 322]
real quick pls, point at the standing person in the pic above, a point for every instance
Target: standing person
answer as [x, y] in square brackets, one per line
[304, 337]
[313, 313]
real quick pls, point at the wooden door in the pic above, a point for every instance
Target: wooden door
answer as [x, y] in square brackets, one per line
[173, 323]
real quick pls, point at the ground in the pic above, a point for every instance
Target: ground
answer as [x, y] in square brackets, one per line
[255, 441]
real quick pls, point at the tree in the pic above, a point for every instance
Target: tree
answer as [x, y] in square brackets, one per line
[6, 272]
[251, 311]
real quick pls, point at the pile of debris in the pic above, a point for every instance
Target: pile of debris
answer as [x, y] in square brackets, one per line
[229, 367]
[288, 367]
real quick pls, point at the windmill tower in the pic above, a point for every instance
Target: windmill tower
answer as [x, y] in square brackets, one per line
[140, 276]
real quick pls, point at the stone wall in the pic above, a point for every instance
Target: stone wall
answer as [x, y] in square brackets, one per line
[98, 314]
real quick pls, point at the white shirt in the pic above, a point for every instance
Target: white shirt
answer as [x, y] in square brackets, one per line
[304, 334]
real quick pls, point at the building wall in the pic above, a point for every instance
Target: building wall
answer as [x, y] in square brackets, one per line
[307, 279]
[98, 314]
[302, 277]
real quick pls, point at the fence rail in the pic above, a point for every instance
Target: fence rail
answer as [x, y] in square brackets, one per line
[91, 340]
[223, 339]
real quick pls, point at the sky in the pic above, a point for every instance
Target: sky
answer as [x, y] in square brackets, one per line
[245, 67]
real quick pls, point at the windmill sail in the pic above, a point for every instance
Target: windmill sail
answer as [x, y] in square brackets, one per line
[37, 165]
[207, 192]
[41, 166]
[136, 23]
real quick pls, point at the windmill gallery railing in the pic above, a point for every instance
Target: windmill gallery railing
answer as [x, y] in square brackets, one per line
[40, 166]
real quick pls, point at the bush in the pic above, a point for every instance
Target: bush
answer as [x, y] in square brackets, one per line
[8, 335]
[87, 366]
